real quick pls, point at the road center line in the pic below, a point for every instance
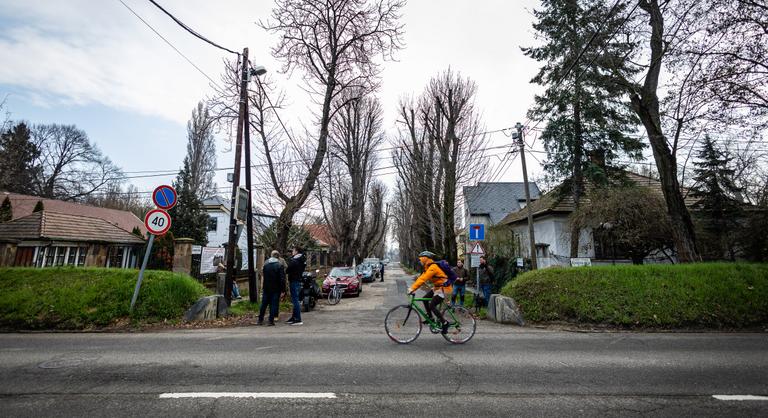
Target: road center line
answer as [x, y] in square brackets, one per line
[263, 395]
[740, 397]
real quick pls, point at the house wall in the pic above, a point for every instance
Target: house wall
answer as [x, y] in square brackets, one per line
[219, 236]
[7, 254]
[555, 231]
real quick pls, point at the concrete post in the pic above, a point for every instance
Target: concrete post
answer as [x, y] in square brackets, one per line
[182, 255]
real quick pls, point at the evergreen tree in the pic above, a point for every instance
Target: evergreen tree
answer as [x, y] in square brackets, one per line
[188, 218]
[39, 206]
[719, 205]
[587, 116]
[6, 211]
[18, 155]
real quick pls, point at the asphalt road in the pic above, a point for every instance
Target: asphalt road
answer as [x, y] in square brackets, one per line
[342, 355]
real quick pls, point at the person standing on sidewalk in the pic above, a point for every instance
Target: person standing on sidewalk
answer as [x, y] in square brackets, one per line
[460, 285]
[486, 278]
[381, 272]
[296, 266]
[274, 286]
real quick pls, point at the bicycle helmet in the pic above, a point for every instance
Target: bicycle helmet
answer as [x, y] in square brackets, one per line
[428, 254]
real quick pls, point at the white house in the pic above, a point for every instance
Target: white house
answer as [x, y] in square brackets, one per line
[218, 212]
[551, 227]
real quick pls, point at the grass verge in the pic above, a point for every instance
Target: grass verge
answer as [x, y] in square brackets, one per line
[80, 298]
[702, 295]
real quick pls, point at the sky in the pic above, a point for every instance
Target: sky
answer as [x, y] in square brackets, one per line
[96, 65]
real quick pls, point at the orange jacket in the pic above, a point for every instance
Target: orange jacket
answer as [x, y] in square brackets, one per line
[433, 274]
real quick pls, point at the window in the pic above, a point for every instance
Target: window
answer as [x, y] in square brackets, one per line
[72, 256]
[81, 256]
[40, 256]
[115, 257]
[213, 223]
[50, 253]
[61, 253]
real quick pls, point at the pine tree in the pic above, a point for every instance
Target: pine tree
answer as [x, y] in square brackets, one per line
[188, 218]
[6, 211]
[18, 156]
[39, 207]
[584, 107]
[719, 206]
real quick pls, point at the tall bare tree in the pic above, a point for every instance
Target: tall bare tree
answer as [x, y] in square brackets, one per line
[71, 166]
[335, 44]
[201, 152]
[439, 150]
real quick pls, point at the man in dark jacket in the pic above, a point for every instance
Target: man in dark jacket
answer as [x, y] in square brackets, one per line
[460, 285]
[296, 266]
[274, 285]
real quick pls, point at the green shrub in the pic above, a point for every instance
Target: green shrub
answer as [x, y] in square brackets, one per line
[76, 298]
[711, 295]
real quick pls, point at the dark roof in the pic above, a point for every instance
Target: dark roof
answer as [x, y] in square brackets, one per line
[557, 202]
[497, 199]
[46, 225]
[23, 205]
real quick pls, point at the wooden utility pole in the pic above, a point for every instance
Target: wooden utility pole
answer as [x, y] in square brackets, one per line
[534, 264]
[253, 290]
[232, 243]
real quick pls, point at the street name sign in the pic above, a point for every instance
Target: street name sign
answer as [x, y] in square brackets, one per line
[581, 262]
[165, 197]
[477, 232]
[157, 221]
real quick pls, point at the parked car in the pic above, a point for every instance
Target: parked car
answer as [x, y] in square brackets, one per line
[349, 280]
[366, 273]
[385, 261]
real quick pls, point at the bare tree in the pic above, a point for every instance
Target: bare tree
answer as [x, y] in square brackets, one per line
[201, 152]
[335, 44]
[439, 151]
[355, 135]
[71, 166]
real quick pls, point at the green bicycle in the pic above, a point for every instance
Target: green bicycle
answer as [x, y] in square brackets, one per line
[403, 322]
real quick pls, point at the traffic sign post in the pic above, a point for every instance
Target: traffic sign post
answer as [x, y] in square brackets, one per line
[477, 232]
[165, 197]
[158, 222]
[476, 252]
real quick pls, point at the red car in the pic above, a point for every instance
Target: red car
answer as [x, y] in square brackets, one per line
[347, 278]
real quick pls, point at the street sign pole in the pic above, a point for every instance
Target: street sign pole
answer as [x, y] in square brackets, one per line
[141, 272]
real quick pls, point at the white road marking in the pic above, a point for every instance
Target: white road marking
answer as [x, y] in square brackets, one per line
[740, 397]
[266, 395]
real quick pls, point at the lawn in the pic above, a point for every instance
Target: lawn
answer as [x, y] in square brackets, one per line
[701, 295]
[79, 298]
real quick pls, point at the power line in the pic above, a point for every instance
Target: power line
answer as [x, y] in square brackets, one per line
[192, 31]
[172, 46]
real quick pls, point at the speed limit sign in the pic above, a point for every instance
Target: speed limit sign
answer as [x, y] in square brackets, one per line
[157, 221]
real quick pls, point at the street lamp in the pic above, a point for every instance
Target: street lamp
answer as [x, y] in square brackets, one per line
[258, 70]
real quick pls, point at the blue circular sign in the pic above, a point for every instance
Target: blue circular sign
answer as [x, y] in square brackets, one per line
[164, 197]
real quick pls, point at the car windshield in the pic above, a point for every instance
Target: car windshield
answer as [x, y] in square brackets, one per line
[342, 271]
[362, 268]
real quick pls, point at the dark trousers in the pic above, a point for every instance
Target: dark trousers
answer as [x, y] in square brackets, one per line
[432, 305]
[271, 299]
[295, 294]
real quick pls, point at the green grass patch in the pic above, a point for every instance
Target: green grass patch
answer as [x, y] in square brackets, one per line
[701, 295]
[77, 298]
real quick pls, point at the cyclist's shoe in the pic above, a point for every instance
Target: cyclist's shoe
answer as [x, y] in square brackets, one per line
[445, 328]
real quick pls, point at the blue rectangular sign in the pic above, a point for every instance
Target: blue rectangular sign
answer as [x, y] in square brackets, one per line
[476, 232]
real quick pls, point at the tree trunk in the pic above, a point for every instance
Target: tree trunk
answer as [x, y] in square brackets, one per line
[646, 105]
[577, 180]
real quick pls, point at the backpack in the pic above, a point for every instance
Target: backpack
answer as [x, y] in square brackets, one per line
[448, 270]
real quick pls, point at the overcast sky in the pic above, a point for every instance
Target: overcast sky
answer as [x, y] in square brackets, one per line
[96, 65]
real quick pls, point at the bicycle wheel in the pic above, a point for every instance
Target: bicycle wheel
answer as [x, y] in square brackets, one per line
[334, 296]
[462, 324]
[402, 324]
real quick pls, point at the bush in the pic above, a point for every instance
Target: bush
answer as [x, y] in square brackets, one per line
[709, 295]
[76, 298]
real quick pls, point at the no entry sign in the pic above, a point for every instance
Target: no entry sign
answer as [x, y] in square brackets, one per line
[164, 197]
[157, 221]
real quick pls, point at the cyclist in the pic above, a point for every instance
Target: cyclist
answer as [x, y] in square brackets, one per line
[435, 275]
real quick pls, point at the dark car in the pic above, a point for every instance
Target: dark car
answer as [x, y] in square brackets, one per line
[346, 277]
[366, 273]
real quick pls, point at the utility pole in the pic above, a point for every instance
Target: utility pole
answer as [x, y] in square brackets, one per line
[253, 291]
[534, 264]
[232, 243]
